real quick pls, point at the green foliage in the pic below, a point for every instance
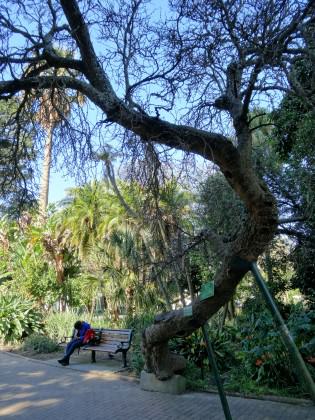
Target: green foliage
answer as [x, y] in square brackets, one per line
[220, 208]
[16, 160]
[195, 381]
[262, 356]
[139, 322]
[301, 324]
[303, 258]
[200, 270]
[295, 183]
[277, 268]
[29, 258]
[137, 361]
[31, 274]
[101, 321]
[58, 325]
[251, 356]
[193, 348]
[39, 343]
[18, 318]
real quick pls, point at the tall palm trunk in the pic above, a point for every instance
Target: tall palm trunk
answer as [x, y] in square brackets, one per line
[44, 187]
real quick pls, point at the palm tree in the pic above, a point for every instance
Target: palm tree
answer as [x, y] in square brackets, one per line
[55, 105]
[109, 244]
[90, 214]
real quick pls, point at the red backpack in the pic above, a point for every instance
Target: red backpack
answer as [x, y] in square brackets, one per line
[89, 336]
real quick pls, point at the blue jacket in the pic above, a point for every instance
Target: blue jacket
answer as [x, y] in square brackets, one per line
[84, 327]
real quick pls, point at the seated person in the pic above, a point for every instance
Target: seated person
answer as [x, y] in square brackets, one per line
[77, 340]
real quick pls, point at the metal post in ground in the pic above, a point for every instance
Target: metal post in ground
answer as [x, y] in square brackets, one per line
[213, 364]
[297, 360]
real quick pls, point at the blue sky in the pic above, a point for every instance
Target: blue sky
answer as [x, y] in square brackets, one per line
[58, 185]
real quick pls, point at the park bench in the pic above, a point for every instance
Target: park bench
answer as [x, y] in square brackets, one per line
[112, 342]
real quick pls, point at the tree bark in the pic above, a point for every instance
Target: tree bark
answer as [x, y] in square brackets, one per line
[44, 188]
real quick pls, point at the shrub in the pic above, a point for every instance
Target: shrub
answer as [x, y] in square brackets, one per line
[301, 323]
[18, 318]
[262, 355]
[194, 349]
[40, 344]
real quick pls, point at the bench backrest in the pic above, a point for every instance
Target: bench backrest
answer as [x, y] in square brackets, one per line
[116, 337]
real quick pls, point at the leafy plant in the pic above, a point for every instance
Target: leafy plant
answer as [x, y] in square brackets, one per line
[301, 323]
[194, 349]
[137, 361]
[18, 318]
[40, 344]
[262, 355]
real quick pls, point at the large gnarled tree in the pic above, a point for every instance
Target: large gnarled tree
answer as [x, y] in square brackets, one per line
[211, 61]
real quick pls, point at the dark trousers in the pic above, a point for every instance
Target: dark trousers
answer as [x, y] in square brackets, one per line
[74, 344]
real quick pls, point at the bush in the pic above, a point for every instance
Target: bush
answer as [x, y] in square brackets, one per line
[194, 349]
[40, 344]
[301, 323]
[18, 318]
[193, 380]
[262, 356]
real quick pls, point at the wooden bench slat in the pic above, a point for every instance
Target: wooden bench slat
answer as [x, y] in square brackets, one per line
[114, 343]
[115, 330]
[113, 340]
[110, 340]
[117, 336]
[101, 348]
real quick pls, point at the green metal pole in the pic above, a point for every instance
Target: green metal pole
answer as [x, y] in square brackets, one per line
[213, 364]
[298, 362]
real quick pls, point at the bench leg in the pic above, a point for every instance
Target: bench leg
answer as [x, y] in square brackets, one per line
[124, 356]
[93, 360]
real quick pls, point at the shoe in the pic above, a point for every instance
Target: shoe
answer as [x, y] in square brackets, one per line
[61, 361]
[65, 363]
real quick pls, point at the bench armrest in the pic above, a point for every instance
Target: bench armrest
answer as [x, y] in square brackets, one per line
[123, 345]
[65, 339]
